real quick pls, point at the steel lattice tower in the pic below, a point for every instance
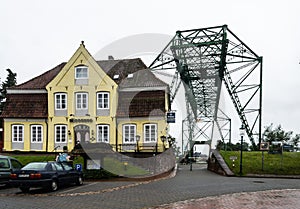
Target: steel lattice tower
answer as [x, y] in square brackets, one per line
[204, 60]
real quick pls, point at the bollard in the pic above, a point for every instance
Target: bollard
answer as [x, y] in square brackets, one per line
[125, 166]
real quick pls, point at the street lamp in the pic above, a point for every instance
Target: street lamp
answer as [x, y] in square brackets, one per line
[137, 138]
[242, 134]
[163, 139]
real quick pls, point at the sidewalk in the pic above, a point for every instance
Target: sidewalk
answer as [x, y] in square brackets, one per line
[275, 199]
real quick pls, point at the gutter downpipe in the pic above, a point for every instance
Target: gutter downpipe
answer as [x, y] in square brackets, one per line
[47, 131]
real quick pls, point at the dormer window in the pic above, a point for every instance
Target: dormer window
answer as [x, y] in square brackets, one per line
[81, 72]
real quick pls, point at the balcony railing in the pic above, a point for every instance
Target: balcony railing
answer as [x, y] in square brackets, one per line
[127, 148]
[134, 147]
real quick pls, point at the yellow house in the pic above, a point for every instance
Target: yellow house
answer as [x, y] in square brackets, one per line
[119, 102]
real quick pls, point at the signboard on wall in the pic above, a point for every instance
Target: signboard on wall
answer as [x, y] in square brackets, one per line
[264, 146]
[171, 117]
[93, 165]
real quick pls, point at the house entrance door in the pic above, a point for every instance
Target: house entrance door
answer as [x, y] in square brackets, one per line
[82, 134]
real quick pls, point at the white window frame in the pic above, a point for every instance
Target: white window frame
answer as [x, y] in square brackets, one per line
[131, 138]
[61, 133]
[17, 133]
[79, 104]
[36, 134]
[103, 133]
[81, 75]
[103, 102]
[150, 135]
[59, 105]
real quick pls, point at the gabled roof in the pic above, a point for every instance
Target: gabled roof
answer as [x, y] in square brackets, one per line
[110, 67]
[143, 103]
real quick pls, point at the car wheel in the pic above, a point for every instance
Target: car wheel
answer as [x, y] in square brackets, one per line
[24, 189]
[79, 180]
[54, 186]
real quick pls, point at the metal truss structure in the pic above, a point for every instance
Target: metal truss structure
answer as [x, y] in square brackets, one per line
[204, 60]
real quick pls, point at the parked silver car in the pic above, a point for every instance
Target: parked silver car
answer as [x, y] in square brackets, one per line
[7, 166]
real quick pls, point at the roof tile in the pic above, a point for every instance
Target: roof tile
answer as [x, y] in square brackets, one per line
[121, 67]
[142, 78]
[41, 81]
[26, 106]
[141, 104]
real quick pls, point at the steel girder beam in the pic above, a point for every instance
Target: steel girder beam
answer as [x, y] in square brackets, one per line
[205, 58]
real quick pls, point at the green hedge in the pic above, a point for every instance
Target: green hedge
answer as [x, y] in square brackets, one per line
[112, 167]
[88, 174]
[98, 174]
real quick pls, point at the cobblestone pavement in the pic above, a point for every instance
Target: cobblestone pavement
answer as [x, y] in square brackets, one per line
[198, 188]
[275, 199]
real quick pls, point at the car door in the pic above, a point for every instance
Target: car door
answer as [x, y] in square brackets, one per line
[15, 165]
[70, 173]
[4, 170]
[61, 173]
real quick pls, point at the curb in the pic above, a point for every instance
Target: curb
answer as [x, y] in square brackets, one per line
[272, 176]
[168, 174]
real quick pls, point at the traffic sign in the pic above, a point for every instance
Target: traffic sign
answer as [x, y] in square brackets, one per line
[78, 167]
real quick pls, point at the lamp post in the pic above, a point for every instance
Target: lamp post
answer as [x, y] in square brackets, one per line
[171, 141]
[137, 138]
[163, 139]
[242, 134]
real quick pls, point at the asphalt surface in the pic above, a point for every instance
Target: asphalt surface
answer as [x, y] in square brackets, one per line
[198, 188]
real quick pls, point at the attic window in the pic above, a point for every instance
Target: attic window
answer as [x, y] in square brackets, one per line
[81, 72]
[130, 75]
[116, 77]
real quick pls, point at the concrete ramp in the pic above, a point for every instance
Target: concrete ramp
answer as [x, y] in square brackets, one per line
[217, 164]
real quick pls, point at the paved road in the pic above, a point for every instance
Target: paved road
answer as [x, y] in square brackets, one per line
[163, 193]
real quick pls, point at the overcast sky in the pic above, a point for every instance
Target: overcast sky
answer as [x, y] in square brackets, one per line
[38, 35]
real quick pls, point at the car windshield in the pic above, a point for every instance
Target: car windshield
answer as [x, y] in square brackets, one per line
[35, 166]
[4, 163]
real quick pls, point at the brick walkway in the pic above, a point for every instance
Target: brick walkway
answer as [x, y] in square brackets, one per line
[198, 188]
[275, 199]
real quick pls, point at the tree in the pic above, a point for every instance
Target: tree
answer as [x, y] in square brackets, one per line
[276, 134]
[232, 147]
[295, 140]
[11, 80]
